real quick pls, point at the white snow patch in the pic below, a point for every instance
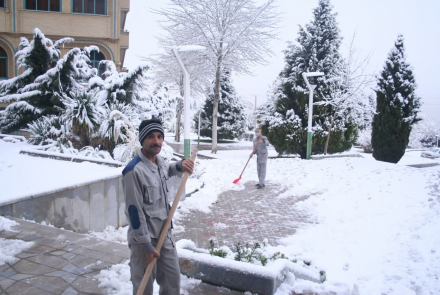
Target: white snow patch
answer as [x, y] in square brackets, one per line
[116, 280]
[112, 234]
[6, 224]
[10, 248]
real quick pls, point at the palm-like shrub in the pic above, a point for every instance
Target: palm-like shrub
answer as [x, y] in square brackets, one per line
[45, 129]
[116, 127]
[82, 115]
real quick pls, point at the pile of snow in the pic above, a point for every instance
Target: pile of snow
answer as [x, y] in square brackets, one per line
[112, 234]
[10, 248]
[116, 280]
[6, 224]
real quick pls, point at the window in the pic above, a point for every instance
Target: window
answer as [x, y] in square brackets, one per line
[3, 64]
[89, 6]
[2, 3]
[44, 5]
[95, 58]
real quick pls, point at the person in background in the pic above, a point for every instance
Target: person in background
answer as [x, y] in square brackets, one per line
[260, 148]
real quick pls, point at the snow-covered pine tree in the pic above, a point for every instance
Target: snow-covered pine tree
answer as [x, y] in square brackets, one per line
[118, 87]
[30, 95]
[231, 112]
[397, 106]
[284, 117]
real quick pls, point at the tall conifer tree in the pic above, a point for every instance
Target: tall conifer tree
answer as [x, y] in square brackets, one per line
[284, 117]
[397, 106]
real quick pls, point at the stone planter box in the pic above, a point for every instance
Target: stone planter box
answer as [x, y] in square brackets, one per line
[236, 275]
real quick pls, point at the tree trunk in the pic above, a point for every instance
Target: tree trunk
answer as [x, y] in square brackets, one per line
[179, 112]
[329, 131]
[179, 118]
[216, 100]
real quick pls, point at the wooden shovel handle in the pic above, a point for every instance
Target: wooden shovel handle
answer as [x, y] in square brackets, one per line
[165, 227]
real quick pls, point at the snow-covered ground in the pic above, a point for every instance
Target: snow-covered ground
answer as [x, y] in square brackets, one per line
[374, 225]
[9, 247]
[414, 157]
[23, 175]
[116, 280]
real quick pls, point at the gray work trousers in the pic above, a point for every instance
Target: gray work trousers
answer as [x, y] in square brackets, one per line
[261, 169]
[166, 271]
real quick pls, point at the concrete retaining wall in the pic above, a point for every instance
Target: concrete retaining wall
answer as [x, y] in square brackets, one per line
[87, 207]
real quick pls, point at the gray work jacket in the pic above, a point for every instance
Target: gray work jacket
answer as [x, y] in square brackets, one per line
[146, 201]
[261, 149]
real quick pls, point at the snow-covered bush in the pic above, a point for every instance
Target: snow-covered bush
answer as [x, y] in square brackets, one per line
[364, 140]
[89, 151]
[82, 114]
[424, 133]
[116, 126]
[45, 129]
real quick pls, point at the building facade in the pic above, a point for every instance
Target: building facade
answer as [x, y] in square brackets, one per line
[89, 22]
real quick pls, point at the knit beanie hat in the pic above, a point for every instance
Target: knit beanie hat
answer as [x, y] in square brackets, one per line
[148, 126]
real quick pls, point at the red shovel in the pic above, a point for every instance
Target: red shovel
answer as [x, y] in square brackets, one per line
[238, 179]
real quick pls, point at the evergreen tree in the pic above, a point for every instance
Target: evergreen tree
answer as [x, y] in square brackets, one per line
[231, 112]
[119, 87]
[284, 117]
[32, 93]
[397, 106]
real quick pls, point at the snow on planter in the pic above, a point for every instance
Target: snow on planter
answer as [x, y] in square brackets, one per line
[242, 276]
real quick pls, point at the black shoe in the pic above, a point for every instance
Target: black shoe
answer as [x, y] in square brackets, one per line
[259, 186]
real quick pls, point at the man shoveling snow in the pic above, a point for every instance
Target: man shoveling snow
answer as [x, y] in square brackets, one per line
[147, 209]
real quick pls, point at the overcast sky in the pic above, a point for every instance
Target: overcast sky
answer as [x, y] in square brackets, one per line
[376, 23]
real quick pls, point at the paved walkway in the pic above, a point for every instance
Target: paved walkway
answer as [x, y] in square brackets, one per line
[64, 262]
[246, 216]
[60, 262]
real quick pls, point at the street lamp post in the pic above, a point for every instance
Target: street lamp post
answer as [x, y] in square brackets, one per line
[309, 127]
[187, 91]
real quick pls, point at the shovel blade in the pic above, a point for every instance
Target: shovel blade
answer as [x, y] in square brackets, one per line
[237, 180]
